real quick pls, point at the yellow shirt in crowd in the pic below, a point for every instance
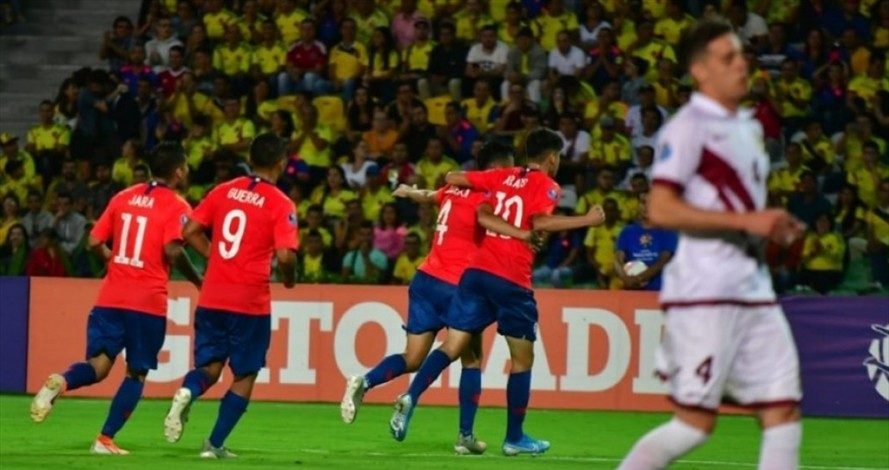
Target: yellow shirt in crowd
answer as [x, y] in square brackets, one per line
[51, 138]
[406, 268]
[829, 257]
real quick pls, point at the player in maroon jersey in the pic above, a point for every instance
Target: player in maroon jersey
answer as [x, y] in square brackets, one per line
[144, 222]
[251, 221]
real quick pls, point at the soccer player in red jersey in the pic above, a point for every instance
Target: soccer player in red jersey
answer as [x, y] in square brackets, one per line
[432, 290]
[145, 223]
[497, 284]
[251, 220]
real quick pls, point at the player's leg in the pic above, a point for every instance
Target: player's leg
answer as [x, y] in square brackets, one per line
[248, 337]
[766, 376]
[144, 337]
[211, 350]
[470, 391]
[105, 340]
[695, 356]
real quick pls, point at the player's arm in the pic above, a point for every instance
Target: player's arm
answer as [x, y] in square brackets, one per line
[193, 233]
[629, 282]
[422, 196]
[663, 258]
[99, 247]
[488, 220]
[458, 178]
[558, 223]
[286, 266]
[178, 258]
[667, 209]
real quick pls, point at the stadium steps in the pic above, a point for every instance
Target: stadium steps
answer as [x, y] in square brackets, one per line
[59, 37]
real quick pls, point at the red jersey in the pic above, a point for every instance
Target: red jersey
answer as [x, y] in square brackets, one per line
[517, 195]
[140, 220]
[250, 218]
[457, 234]
[307, 56]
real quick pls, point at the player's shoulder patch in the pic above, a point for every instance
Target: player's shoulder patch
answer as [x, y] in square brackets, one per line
[664, 152]
[553, 194]
[291, 219]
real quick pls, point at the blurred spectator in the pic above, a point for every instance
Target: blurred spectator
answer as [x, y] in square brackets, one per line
[487, 58]
[314, 221]
[169, 76]
[776, 52]
[316, 264]
[576, 141]
[10, 218]
[312, 142]
[345, 230]
[604, 61]
[359, 113]
[184, 19]
[375, 194]
[867, 177]
[289, 20]
[400, 110]
[250, 21]
[65, 111]
[365, 264]
[817, 150]
[850, 213]
[390, 232]
[348, 60]
[830, 98]
[403, 23]
[135, 69]
[822, 267]
[566, 59]
[15, 182]
[513, 22]
[605, 188]
[196, 42]
[553, 20]
[408, 261]
[48, 258]
[417, 134]
[48, 142]
[849, 17]
[415, 60]
[330, 15]
[435, 165]
[12, 153]
[651, 125]
[814, 54]
[674, 24]
[359, 164]
[67, 183]
[600, 243]
[785, 181]
[235, 133]
[116, 44]
[333, 196]
[383, 64]
[232, 57]
[141, 174]
[807, 203]
[611, 148]
[877, 220]
[158, 49]
[471, 19]
[593, 23]
[306, 63]
[269, 56]
[751, 27]
[102, 190]
[852, 141]
[217, 18]
[400, 170]
[68, 225]
[36, 218]
[526, 65]
[480, 110]
[368, 17]
[122, 171]
[792, 95]
[863, 88]
[650, 49]
[380, 139]
[561, 258]
[458, 134]
[95, 137]
[633, 119]
[509, 117]
[447, 61]
[639, 241]
[14, 252]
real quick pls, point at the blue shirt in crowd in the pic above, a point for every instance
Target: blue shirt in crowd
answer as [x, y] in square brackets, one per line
[646, 245]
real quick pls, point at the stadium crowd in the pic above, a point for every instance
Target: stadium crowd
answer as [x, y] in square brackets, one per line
[370, 94]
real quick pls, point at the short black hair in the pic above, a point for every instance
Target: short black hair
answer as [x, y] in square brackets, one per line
[542, 142]
[166, 157]
[46, 103]
[871, 144]
[314, 233]
[701, 36]
[494, 151]
[13, 165]
[178, 49]
[315, 208]
[266, 150]
[142, 167]
[489, 27]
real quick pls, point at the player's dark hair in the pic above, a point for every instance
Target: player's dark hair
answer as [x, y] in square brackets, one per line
[315, 208]
[494, 151]
[541, 143]
[266, 150]
[871, 144]
[166, 157]
[178, 49]
[489, 27]
[142, 167]
[701, 36]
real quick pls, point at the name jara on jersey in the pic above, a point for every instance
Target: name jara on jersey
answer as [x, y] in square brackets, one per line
[141, 200]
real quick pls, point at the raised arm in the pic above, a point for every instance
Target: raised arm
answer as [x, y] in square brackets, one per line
[99, 247]
[422, 196]
[488, 220]
[557, 223]
[458, 178]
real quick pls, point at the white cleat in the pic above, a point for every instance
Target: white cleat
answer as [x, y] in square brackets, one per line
[176, 418]
[210, 452]
[352, 399]
[104, 445]
[42, 403]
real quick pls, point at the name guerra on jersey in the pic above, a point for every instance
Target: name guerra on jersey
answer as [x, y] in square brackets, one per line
[243, 195]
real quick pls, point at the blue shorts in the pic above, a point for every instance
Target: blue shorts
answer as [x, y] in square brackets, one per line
[428, 301]
[111, 330]
[483, 298]
[240, 339]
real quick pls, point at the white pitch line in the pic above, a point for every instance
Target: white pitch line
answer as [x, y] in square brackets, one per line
[713, 463]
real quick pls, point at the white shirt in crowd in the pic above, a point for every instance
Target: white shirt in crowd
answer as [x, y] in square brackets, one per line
[568, 64]
[715, 158]
[755, 26]
[633, 119]
[591, 36]
[488, 60]
[162, 47]
[357, 179]
[575, 149]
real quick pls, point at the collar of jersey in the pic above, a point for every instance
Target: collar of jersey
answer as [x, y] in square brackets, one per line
[709, 105]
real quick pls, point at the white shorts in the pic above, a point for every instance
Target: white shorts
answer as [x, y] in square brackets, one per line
[745, 353]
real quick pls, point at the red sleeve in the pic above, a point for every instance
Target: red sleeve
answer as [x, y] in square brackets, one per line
[439, 195]
[286, 227]
[203, 214]
[546, 199]
[176, 218]
[484, 180]
[105, 225]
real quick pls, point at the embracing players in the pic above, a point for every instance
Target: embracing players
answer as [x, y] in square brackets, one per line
[496, 286]
[725, 332]
[145, 224]
[251, 220]
[432, 290]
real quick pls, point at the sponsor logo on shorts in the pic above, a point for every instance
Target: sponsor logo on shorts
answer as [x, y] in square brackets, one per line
[877, 363]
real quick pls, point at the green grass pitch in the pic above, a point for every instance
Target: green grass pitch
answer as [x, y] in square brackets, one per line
[303, 436]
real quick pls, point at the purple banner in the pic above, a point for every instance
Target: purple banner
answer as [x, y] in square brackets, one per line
[13, 333]
[843, 346]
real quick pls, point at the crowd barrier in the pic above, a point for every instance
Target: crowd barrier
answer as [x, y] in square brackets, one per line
[595, 349]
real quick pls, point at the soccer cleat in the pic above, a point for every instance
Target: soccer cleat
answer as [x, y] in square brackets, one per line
[525, 445]
[466, 445]
[352, 398]
[176, 418]
[210, 452]
[42, 403]
[401, 418]
[104, 445]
